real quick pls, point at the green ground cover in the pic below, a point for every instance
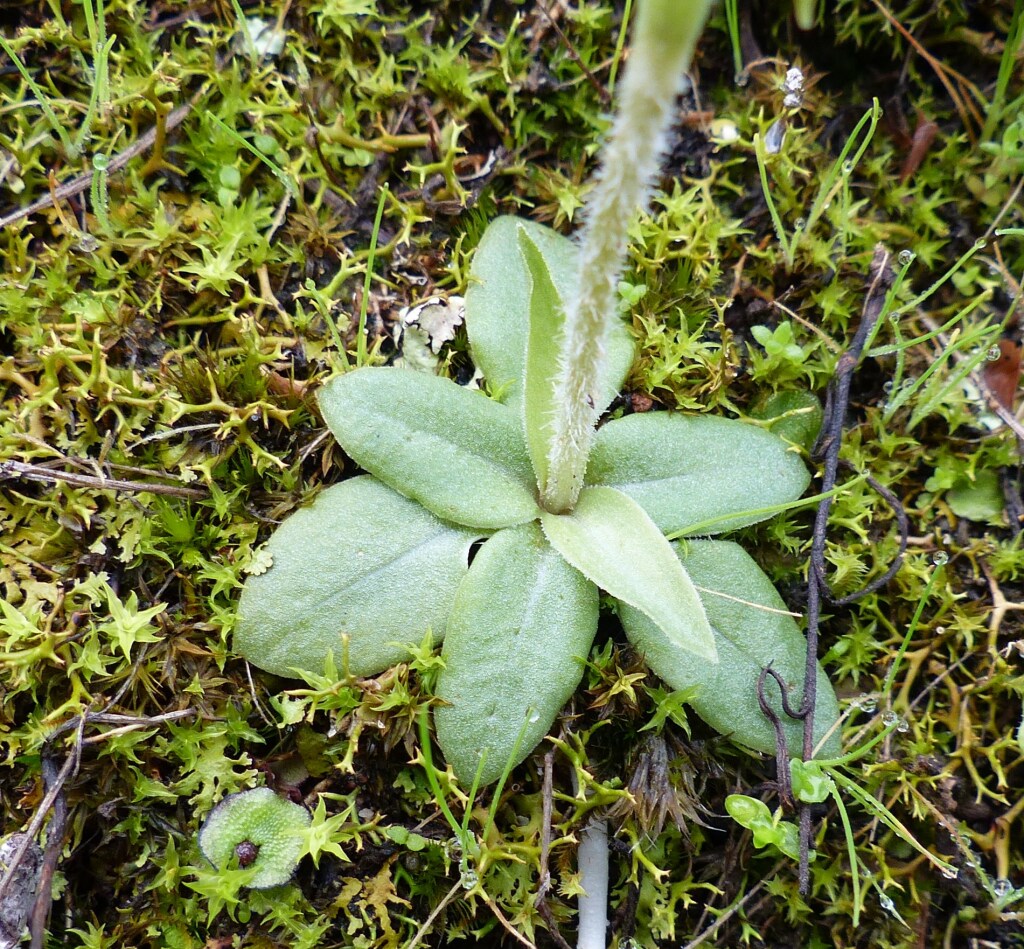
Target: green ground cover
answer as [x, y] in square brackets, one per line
[208, 211]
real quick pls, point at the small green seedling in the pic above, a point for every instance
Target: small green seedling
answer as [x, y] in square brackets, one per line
[813, 782]
[566, 507]
[769, 829]
[259, 831]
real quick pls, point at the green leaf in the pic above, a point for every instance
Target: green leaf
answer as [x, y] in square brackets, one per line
[684, 470]
[767, 828]
[458, 453]
[978, 500]
[361, 560]
[498, 307]
[547, 321]
[795, 416]
[810, 783]
[518, 636]
[752, 631]
[610, 540]
[749, 812]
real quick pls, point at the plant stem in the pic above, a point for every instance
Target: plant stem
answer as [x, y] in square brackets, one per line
[663, 40]
[592, 861]
[805, 12]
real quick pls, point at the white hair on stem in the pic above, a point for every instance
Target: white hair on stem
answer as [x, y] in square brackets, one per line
[665, 34]
[664, 37]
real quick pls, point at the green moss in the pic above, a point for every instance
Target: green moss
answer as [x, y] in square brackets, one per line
[174, 335]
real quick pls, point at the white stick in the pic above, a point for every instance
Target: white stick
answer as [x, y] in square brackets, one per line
[592, 862]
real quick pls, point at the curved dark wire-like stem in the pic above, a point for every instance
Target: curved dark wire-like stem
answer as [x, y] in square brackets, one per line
[781, 748]
[829, 443]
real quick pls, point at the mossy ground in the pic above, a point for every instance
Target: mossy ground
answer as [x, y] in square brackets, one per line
[169, 322]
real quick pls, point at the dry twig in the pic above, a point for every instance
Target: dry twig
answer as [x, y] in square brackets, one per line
[19, 469]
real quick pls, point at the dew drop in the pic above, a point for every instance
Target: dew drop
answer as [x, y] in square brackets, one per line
[741, 78]
[950, 873]
[799, 224]
[888, 386]
[906, 257]
[889, 718]
[887, 904]
[534, 718]
[980, 242]
[867, 702]
[847, 167]
[940, 630]
[1001, 887]
[724, 130]
[993, 353]
[903, 726]
[469, 879]
[940, 558]
[101, 162]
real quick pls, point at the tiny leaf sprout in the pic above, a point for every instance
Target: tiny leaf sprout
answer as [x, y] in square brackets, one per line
[768, 828]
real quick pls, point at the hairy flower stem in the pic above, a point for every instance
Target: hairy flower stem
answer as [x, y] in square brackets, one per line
[663, 40]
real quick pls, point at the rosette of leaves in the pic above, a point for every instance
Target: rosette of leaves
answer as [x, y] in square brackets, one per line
[259, 831]
[379, 560]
